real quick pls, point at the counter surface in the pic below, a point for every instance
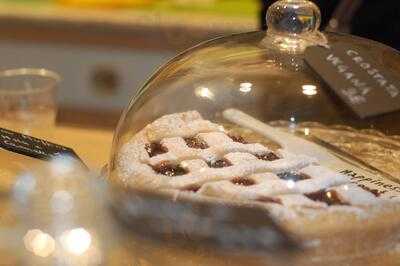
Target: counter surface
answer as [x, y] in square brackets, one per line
[92, 145]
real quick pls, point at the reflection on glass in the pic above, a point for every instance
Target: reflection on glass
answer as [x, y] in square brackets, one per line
[204, 92]
[329, 194]
[62, 202]
[76, 241]
[39, 243]
[309, 90]
[245, 87]
[63, 165]
[292, 124]
[290, 184]
[25, 185]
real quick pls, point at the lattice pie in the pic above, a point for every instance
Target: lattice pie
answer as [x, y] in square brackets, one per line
[183, 153]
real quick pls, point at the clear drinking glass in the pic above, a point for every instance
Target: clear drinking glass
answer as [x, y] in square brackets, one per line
[27, 105]
[28, 100]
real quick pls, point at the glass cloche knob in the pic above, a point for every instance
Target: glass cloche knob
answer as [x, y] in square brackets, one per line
[293, 24]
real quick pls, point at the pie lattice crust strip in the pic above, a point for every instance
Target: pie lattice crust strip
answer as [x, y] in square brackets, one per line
[184, 153]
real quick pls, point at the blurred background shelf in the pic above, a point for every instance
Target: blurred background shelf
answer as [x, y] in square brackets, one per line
[105, 52]
[222, 15]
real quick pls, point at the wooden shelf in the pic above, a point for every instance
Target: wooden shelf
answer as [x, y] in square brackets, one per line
[62, 24]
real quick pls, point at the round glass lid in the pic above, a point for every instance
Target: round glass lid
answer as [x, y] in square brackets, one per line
[245, 118]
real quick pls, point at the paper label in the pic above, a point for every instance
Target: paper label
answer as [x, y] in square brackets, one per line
[380, 186]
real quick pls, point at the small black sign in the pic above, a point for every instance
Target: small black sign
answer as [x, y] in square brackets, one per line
[358, 78]
[33, 147]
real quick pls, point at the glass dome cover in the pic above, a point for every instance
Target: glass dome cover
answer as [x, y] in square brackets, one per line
[257, 89]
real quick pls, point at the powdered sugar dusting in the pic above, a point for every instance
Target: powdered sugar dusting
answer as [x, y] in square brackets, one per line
[282, 198]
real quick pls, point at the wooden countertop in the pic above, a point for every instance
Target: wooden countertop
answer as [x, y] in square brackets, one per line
[92, 145]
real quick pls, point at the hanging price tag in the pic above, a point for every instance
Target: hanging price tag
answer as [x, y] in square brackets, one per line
[358, 78]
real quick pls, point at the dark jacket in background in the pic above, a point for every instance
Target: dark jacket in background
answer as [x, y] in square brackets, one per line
[378, 20]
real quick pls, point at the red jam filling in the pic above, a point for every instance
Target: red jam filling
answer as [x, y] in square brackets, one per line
[195, 143]
[269, 200]
[243, 181]
[169, 169]
[330, 197]
[219, 163]
[268, 156]
[192, 188]
[155, 148]
[238, 139]
[373, 191]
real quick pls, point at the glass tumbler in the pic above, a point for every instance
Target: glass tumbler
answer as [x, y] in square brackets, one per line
[28, 101]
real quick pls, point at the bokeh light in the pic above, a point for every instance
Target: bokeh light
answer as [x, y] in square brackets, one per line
[76, 241]
[39, 243]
